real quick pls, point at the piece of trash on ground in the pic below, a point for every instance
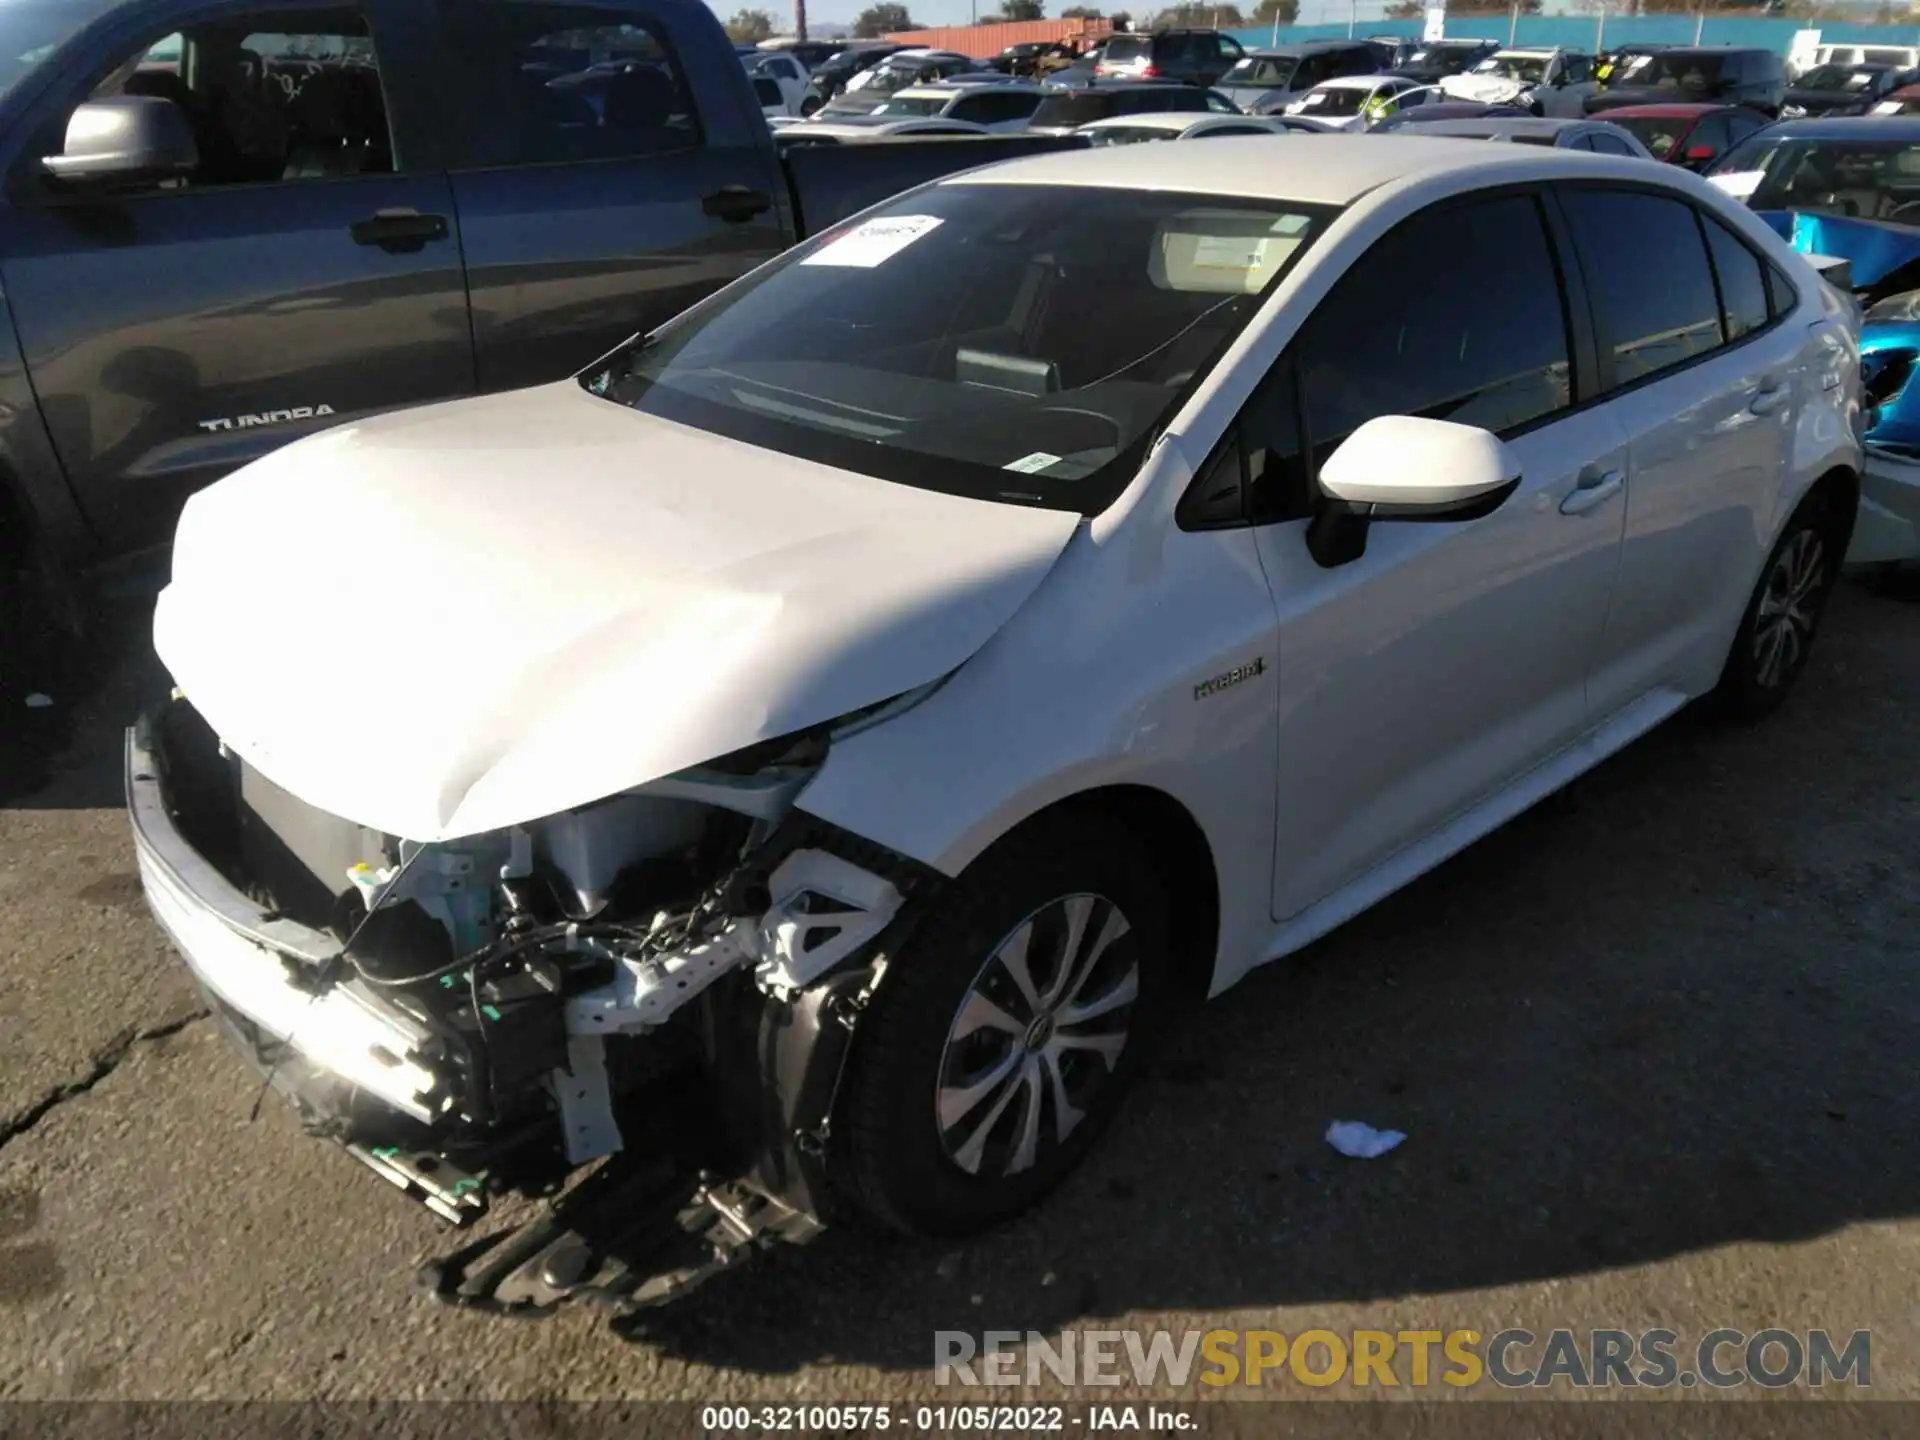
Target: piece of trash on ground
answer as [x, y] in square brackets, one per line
[1359, 1141]
[37, 701]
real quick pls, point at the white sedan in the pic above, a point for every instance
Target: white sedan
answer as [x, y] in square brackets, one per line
[1178, 125]
[872, 127]
[1353, 101]
[872, 701]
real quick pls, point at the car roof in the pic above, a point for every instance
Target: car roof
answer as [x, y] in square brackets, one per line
[1898, 128]
[1356, 82]
[1298, 48]
[1859, 65]
[1530, 50]
[1166, 120]
[1120, 86]
[1675, 111]
[1336, 169]
[1504, 125]
[943, 90]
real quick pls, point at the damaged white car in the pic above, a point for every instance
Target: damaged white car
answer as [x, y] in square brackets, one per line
[797, 766]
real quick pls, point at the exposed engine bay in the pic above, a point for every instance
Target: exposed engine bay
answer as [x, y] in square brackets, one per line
[666, 980]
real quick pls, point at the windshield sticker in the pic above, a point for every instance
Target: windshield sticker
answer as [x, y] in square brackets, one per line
[1032, 464]
[1739, 183]
[1229, 252]
[874, 242]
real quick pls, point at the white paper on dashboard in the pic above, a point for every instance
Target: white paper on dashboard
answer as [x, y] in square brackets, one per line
[873, 242]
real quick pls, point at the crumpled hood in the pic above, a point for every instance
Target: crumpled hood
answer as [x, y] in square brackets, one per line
[450, 620]
[1487, 89]
[1873, 249]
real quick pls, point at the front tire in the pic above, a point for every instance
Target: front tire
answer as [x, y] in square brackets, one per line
[1777, 631]
[1006, 1029]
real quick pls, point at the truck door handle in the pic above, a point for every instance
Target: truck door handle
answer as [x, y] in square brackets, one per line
[737, 203]
[400, 231]
[1594, 489]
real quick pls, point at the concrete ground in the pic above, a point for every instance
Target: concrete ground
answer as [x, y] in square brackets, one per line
[1653, 1046]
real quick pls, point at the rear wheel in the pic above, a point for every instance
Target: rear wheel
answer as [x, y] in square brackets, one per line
[1776, 633]
[1006, 1029]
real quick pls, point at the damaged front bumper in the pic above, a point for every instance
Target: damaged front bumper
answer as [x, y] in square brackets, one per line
[773, 996]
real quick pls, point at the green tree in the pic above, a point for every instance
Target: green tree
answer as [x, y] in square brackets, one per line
[883, 19]
[750, 27]
[1268, 12]
[1022, 10]
[1194, 15]
[1082, 12]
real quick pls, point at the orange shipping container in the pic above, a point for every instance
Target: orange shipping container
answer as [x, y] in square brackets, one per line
[983, 42]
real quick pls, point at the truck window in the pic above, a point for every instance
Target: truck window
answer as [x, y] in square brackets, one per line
[266, 105]
[558, 83]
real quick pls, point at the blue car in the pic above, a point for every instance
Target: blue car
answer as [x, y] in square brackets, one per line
[1850, 187]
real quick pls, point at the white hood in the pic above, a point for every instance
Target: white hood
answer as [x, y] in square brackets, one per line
[1486, 89]
[451, 620]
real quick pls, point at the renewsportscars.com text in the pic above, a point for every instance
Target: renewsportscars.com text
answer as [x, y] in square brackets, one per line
[1513, 1359]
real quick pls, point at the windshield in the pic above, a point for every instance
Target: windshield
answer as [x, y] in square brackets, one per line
[1530, 68]
[1334, 100]
[31, 30]
[1128, 134]
[1837, 77]
[1658, 134]
[1020, 343]
[1126, 47]
[910, 105]
[1447, 59]
[1856, 179]
[1261, 70]
[1680, 71]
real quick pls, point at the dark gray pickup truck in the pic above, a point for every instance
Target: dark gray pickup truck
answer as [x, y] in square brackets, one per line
[227, 223]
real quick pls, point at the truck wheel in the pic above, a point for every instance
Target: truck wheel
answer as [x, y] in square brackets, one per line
[1006, 1029]
[1776, 633]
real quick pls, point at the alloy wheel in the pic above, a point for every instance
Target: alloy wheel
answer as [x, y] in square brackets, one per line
[1789, 607]
[1037, 1036]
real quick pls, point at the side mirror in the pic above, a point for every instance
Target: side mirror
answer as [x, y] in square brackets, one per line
[124, 140]
[1400, 467]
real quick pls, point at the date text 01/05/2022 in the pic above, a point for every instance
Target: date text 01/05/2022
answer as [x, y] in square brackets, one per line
[943, 1419]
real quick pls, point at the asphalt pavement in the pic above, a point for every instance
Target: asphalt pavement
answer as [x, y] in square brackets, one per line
[1652, 1044]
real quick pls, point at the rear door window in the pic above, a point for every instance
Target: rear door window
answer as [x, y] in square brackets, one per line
[554, 83]
[1651, 317]
[1743, 281]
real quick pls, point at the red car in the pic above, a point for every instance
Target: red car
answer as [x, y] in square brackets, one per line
[1690, 135]
[1904, 101]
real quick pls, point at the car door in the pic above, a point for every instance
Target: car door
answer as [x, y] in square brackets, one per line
[307, 270]
[1447, 659]
[1706, 385]
[600, 191]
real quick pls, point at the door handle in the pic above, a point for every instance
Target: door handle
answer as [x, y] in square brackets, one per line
[1769, 398]
[1596, 487]
[737, 204]
[399, 230]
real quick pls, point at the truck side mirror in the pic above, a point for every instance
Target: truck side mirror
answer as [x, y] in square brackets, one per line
[124, 140]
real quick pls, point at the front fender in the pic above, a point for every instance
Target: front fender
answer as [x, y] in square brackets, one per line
[1097, 682]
